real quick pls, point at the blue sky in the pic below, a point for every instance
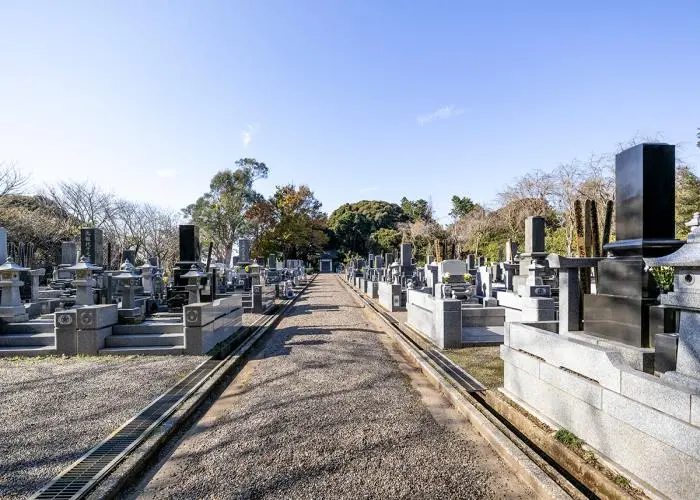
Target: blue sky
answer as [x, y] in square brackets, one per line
[360, 100]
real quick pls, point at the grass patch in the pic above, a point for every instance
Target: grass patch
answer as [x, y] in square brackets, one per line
[484, 363]
[568, 438]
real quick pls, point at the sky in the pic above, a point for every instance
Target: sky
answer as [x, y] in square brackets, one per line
[358, 99]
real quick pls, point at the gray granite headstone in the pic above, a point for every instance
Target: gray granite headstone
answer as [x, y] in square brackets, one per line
[244, 250]
[534, 234]
[69, 253]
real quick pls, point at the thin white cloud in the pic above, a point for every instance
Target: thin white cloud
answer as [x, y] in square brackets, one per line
[247, 135]
[368, 189]
[442, 113]
[165, 172]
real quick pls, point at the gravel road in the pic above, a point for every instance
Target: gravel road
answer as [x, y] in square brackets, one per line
[327, 408]
[53, 410]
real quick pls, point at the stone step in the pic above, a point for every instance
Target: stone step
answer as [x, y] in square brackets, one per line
[27, 351]
[27, 327]
[148, 328]
[143, 351]
[146, 340]
[28, 340]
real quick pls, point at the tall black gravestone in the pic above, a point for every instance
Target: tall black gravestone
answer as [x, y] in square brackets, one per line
[645, 227]
[92, 245]
[189, 243]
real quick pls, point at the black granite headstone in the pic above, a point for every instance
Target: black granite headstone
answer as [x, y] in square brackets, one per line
[189, 243]
[92, 245]
[645, 227]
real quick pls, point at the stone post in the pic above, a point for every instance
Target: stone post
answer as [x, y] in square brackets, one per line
[65, 325]
[36, 274]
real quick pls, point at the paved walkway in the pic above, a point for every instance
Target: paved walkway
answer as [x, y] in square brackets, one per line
[328, 408]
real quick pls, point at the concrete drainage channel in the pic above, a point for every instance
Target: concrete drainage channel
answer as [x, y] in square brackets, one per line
[534, 467]
[108, 467]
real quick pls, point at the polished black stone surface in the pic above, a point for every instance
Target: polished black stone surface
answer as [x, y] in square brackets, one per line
[92, 245]
[189, 243]
[645, 201]
[645, 227]
[663, 319]
[618, 318]
[625, 276]
[666, 352]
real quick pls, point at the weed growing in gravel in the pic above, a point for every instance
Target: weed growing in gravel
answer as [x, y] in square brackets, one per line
[568, 438]
[622, 481]
[590, 458]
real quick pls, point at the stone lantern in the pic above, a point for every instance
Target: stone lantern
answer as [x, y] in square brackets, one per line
[83, 282]
[686, 299]
[194, 277]
[254, 270]
[147, 275]
[11, 308]
[127, 281]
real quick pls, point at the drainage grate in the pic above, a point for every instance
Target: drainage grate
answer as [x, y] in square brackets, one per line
[83, 474]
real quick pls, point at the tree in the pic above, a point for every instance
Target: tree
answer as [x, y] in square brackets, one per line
[84, 202]
[354, 223]
[461, 206]
[687, 198]
[473, 229]
[417, 209]
[385, 240]
[220, 213]
[296, 227]
[11, 179]
[37, 221]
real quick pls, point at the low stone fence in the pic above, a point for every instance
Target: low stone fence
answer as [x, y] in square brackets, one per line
[84, 330]
[389, 296]
[208, 323]
[440, 320]
[646, 425]
[474, 315]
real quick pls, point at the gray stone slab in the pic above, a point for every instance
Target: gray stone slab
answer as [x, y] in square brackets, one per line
[520, 360]
[671, 471]
[656, 393]
[585, 359]
[579, 387]
[89, 342]
[665, 428]
[695, 410]
[482, 335]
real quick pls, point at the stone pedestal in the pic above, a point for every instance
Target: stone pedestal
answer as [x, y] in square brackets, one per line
[36, 275]
[11, 307]
[84, 294]
[193, 294]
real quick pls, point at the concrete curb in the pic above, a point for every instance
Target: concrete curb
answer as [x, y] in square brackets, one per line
[524, 467]
[138, 460]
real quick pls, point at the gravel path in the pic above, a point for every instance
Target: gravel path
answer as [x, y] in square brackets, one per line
[53, 410]
[328, 409]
